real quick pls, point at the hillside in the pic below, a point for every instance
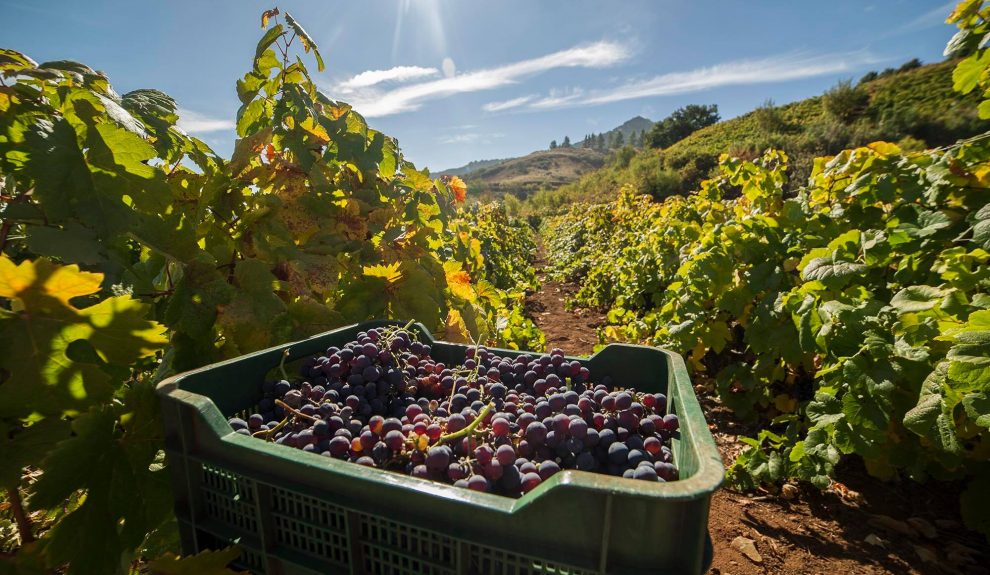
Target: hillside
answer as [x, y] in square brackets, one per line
[916, 107]
[542, 169]
[522, 176]
[470, 167]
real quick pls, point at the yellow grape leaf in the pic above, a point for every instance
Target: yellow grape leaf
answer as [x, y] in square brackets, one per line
[266, 15]
[696, 355]
[315, 129]
[785, 403]
[208, 562]
[962, 9]
[61, 283]
[981, 172]
[337, 112]
[743, 318]
[457, 331]
[459, 188]
[390, 273]
[54, 351]
[487, 291]
[884, 148]
[459, 282]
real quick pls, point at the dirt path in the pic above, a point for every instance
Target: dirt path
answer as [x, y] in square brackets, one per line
[574, 331]
[860, 526]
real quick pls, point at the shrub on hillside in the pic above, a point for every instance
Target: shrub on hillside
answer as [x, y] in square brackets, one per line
[682, 123]
[769, 118]
[845, 102]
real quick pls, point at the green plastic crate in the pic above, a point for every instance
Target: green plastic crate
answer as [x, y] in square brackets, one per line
[295, 513]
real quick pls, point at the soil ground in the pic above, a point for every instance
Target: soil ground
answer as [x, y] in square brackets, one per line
[859, 526]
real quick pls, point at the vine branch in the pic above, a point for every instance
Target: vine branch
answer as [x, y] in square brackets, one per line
[24, 528]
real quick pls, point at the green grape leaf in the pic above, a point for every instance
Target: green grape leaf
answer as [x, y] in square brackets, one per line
[971, 363]
[151, 104]
[825, 409]
[931, 417]
[917, 298]
[968, 72]
[960, 43]
[830, 269]
[24, 446]
[121, 161]
[307, 41]
[250, 118]
[192, 309]
[310, 317]
[922, 417]
[114, 470]
[121, 116]
[868, 401]
[977, 406]
[416, 296]
[207, 562]
[56, 163]
[981, 219]
[970, 356]
[929, 223]
[71, 243]
[13, 61]
[253, 305]
[267, 40]
[68, 66]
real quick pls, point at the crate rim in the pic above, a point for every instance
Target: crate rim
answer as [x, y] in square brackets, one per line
[708, 477]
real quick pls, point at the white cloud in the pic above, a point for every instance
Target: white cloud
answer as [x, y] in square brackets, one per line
[470, 138]
[196, 123]
[449, 68]
[507, 104]
[739, 72]
[460, 139]
[375, 103]
[557, 99]
[932, 18]
[396, 74]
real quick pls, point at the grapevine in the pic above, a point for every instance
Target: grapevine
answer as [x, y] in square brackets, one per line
[132, 251]
[849, 318]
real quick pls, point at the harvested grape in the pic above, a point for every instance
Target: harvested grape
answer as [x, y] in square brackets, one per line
[493, 423]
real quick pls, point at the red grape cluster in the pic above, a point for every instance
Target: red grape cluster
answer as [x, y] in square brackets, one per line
[492, 423]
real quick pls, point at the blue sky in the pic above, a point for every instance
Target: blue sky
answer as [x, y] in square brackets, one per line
[456, 81]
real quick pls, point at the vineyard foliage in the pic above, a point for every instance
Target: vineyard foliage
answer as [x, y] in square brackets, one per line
[853, 317]
[131, 251]
[500, 249]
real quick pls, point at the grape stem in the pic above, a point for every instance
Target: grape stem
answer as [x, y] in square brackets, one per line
[295, 412]
[269, 432]
[281, 365]
[22, 519]
[470, 428]
[473, 373]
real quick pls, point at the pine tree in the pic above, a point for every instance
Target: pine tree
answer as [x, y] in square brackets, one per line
[553, 144]
[567, 142]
